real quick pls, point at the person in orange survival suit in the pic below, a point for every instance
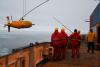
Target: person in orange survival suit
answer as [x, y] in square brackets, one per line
[55, 42]
[64, 40]
[74, 41]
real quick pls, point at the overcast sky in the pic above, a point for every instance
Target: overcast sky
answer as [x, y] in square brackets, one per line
[72, 13]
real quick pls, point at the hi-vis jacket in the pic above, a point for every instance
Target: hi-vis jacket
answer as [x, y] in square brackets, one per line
[91, 37]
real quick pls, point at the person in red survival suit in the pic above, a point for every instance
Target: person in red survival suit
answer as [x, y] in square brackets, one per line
[64, 40]
[55, 42]
[74, 41]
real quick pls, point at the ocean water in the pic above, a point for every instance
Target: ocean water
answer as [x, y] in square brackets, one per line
[16, 39]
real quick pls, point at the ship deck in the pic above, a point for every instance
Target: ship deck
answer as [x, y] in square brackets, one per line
[85, 60]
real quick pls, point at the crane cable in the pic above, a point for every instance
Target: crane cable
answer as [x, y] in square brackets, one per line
[33, 9]
[62, 24]
[24, 7]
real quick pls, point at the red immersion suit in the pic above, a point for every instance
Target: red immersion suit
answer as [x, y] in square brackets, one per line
[64, 40]
[74, 41]
[55, 42]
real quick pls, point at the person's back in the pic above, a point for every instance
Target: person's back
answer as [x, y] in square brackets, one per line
[55, 42]
[55, 38]
[74, 41]
[64, 40]
[90, 38]
[64, 37]
[74, 38]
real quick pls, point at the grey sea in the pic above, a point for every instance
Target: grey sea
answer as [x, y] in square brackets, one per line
[16, 39]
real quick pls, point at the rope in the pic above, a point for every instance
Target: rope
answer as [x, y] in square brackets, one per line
[24, 7]
[33, 9]
[62, 24]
